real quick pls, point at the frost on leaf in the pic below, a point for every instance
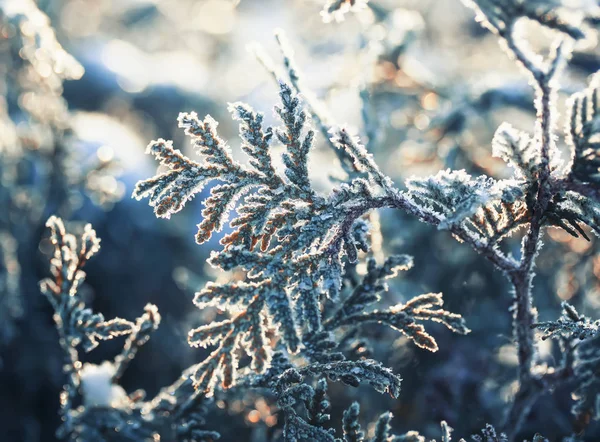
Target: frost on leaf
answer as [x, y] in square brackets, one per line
[383, 429]
[80, 324]
[297, 429]
[401, 317]
[587, 377]
[489, 434]
[168, 192]
[518, 150]
[583, 134]
[350, 424]
[492, 207]
[307, 425]
[571, 324]
[247, 328]
[363, 160]
[292, 391]
[584, 336]
[424, 307]
[568, 209]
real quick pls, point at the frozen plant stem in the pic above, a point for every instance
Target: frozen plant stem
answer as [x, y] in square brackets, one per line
[522, 278]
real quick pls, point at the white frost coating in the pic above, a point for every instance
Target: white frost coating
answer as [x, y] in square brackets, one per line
[97, 386]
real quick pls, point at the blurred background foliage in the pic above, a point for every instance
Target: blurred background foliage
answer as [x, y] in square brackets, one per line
[421, 79]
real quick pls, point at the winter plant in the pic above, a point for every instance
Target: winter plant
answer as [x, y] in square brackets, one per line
[94, 405]
[38, 151]
[294, 308]
[37, 148]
